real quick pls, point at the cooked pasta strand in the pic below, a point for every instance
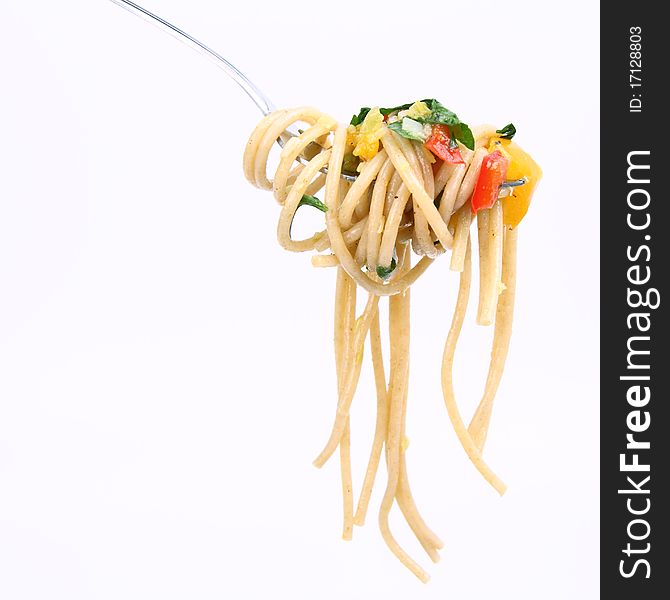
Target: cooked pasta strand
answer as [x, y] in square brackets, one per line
[501, 338]
[467, 442]
[399, 336]
[406, 195]
[381, 424]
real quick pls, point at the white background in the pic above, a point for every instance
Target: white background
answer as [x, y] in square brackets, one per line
[166, 369]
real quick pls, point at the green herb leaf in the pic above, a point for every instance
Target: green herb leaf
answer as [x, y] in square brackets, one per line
[439, 115]
[309, 201]
[398, 128]
[360, 117]
[464, 135]
[388, 111]
[385, 272]
[312, 201]
[507, 132]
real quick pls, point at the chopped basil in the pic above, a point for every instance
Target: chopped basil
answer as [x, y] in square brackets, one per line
[439, 115]
[385, 272]
[388, 111]
[312, 201]
[458, 130]
[464, 135]
[507, 132]
[360, 117]
[307, 200]
[408, 128]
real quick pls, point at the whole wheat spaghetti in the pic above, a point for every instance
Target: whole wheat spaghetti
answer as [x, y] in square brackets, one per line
[422, 178]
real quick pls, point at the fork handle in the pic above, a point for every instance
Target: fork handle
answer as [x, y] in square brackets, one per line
[258, 97]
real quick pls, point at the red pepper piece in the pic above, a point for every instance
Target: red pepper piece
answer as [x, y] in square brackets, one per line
[439, 143]
[491, 176]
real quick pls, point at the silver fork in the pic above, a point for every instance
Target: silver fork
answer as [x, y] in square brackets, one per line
[249, 87]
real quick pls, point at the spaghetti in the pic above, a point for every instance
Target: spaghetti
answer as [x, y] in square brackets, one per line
[422, 177]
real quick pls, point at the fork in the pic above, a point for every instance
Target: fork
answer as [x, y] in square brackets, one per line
[249, 87]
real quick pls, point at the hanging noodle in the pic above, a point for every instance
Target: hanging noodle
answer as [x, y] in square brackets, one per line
[399, 199]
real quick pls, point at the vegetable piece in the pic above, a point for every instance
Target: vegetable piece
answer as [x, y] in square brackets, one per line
[357, 119]
[312, 201]
[308, 200]
[464, 135]
[363, 112]
[441, 144]
[491, 176]
[368, 134]
[521, 165]
[410, 129]
[385, 272]
[388, 111]
[427, 112]
[350, 163]
[496, 144]
[360, 117]
[418, 110]
[507, 132]
[439, 115]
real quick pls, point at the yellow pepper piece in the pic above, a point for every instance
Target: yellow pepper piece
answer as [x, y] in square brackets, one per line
[496, 145]
[352, 137]
[418, 110]
[521, 165]
[368, 134]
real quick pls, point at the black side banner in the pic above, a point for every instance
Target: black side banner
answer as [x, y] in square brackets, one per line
[635, 362]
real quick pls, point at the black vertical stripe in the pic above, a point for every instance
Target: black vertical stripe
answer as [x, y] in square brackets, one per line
[624, 257]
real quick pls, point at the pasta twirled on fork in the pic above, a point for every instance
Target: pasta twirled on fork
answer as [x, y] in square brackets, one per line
[422, 177]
